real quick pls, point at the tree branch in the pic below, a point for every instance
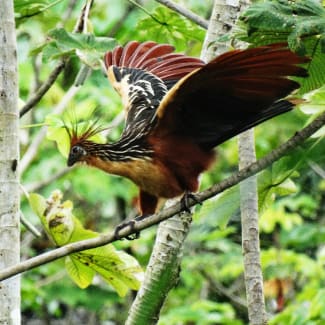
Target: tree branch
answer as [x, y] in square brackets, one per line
[57, 70]
[185, 12]
[237, 177]
[32, 150]
[43, 88]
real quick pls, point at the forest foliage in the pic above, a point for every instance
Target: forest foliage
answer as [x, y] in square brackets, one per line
[211, 288]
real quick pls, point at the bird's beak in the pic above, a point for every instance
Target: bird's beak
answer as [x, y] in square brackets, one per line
[71, 160]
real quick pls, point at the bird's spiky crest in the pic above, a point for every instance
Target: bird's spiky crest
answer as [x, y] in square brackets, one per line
[82, 130]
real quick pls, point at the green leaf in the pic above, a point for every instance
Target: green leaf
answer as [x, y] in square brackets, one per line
[87, 47]
[315, 104]
[28, 8]
[277, 215]
[80, 121]
[81, 274]
[317, 306]
[301, 23]
[119, 269]
[219, 209]
[56, 131]
[166, 26]
[38, 204]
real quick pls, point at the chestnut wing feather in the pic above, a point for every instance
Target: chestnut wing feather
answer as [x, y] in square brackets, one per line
[232, 93]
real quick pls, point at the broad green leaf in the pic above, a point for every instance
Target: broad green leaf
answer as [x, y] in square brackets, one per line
[315, 103]
[165, 25]
[317, 306]
[81, 274]
[87, 47]
[219, 209]
[272, 183]
[119, 269]
[38, 204]
[301, 23]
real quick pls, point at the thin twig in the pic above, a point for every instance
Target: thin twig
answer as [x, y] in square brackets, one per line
[33, 187]
[185, 12]
[146, 12]
[317, 169]
[237, 177]
[219, 288]
[33, 148]
[43, 89]
[31, 228]
[57, 70]
[117, 26]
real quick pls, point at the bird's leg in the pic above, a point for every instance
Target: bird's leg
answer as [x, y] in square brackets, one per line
[185, 201]
[130, 224]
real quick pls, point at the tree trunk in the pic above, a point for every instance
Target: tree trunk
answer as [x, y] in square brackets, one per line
[250, 233]
[223, 17]
[9, 155]
[162, 272]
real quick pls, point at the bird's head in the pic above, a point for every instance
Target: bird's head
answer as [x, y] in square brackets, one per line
[77, 154]
[80, 136]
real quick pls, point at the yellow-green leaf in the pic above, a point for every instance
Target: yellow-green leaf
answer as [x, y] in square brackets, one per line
[80, 273]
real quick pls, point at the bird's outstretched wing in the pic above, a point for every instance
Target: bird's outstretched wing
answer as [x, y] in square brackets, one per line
[232, 93]
[142, 73]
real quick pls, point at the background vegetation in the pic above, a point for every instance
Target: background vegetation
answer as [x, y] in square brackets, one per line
[211, 287]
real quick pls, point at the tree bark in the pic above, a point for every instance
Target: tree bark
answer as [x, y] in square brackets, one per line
[9, 155]
[250, 233]
[224, 16]
[162, 272]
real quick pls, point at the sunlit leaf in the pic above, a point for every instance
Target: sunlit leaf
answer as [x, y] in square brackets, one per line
[167, 26]
[87, 47]
[58, 128]
[315, 104]
[119, 269]
[38, 204]
[56, 131]
[28, 8]
[81, 274]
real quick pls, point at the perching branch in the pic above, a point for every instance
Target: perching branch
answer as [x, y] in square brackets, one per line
[237, 177]
[185, 12]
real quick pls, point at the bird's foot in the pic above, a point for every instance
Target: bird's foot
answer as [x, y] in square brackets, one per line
[185, 201]
[130, 224]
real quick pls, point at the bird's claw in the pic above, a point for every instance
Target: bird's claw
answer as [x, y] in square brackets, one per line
[185, 201]
[130, 224]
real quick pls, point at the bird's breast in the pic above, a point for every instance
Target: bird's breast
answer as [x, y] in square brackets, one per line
[150, 175]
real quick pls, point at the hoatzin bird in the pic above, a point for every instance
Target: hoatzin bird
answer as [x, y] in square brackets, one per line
[178, 109]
